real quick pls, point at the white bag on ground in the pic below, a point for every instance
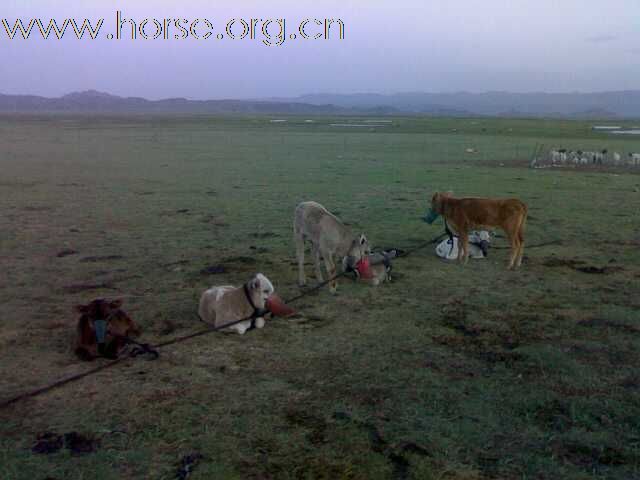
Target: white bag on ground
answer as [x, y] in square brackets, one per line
[449, 251]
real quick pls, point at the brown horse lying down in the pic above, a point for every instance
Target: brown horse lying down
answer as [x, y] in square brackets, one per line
[102, 328]
[465, 214]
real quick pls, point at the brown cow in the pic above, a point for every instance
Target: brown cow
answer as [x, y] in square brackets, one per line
[464, 214]
[92, 342]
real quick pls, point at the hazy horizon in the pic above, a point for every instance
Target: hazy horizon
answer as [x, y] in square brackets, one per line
[401, 47]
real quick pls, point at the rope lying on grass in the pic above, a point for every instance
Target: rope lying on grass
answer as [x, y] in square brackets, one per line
[535, 245]
[143, 348]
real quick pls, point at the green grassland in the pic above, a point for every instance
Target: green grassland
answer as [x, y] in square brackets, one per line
[448, 372]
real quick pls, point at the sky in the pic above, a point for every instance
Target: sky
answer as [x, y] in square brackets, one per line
[389, 46]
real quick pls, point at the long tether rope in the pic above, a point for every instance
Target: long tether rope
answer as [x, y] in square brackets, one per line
[151, 349]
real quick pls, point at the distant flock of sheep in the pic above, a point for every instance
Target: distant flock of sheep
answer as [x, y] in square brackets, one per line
[578, 157]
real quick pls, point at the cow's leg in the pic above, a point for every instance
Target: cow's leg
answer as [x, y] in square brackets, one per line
[463, 247]
[315, 251]
[241, 327]
[520, 252]
[521, 241]
[331, 272]
[299, 240]
[460, 249]
[513, 240]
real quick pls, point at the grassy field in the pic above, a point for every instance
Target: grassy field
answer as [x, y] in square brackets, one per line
[449, 372]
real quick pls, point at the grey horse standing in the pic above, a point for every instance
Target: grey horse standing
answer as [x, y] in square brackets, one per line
[329, 238]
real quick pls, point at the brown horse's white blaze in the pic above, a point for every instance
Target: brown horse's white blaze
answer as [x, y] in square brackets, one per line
[465, 214]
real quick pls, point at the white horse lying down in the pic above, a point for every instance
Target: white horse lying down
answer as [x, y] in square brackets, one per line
[478, 245]
[226, 303]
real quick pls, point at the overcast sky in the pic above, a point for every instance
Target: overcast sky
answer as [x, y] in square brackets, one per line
[389, 46]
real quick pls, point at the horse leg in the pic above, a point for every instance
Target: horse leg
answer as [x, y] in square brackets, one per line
[315, 251]
[331, 272]
[299, 240]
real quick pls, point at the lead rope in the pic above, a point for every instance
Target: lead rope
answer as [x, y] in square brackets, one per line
[145, 348]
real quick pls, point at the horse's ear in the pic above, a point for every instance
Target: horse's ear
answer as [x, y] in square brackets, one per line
[116, 303]
[81, 308]
[363, 239]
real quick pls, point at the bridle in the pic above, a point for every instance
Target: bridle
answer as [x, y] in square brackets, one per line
[257, 312]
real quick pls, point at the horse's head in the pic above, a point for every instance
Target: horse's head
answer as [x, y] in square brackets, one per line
[358, 249]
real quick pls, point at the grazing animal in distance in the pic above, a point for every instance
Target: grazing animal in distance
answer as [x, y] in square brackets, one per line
[225, 304]
[616, 158]
[634, 159]
[465, 214]
[102, 329]
[573, 157]
[599, 157]
[329, 239]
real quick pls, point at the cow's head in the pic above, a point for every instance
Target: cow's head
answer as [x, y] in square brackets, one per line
[260, 289]
[105, 317]
[437, 201]
[358, 249]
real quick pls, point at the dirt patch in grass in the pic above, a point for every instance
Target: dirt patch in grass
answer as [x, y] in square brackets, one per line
[303, 417]
[103, 258]
[596, 322]
[395, 454]
[76, 443]
[630, 382]
[263, 235]
[173, 213]
[589, 457]
[214, 220]
[188, 463]
[213, 270]
[310, 321]
[241, 260]
[83, 287]
[554, 415]
[579, 266]
[167, 327]
[47, 442]
[487, 343]
[66, 252]
[36, 208]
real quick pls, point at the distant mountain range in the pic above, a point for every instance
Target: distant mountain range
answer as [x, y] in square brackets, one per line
[98, 102]
[603, 105]
[622, 104]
